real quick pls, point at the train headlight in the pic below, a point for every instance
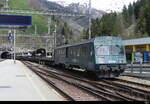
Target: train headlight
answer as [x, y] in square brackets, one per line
[101, 60]
[122, 61]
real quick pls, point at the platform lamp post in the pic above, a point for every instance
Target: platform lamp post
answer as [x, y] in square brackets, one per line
[49, 32]
[14, 46]
[47, 46]
[10, 37]
[55, 36]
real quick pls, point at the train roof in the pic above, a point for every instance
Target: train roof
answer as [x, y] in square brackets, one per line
[87, 41]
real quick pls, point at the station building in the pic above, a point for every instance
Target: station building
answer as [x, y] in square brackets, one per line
[138, 50]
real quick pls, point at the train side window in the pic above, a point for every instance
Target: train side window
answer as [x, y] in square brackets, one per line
[91, 51]
[78, 52]
[74, 52]
[88, 50]
[71, 52]
[81, 52]
[66, 52]
[84, 51]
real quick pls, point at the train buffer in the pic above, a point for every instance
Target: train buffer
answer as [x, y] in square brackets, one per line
[18, 83]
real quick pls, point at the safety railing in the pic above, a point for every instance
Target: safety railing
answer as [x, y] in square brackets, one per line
[139, 67]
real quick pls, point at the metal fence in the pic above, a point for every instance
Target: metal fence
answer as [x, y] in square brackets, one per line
[138, 68]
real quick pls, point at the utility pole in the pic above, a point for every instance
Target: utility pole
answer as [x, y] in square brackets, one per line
[47, 46]
[35, 30]
[14, 46]
[55, 37]
[90, 19]
[49, 25]
[49, 32]
[11, 41]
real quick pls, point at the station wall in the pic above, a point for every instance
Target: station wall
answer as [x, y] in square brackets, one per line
[138, 53]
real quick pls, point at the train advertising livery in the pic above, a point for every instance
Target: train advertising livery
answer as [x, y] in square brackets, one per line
[15, 20]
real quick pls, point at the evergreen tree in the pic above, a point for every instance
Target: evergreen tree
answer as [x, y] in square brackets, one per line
[144, 18]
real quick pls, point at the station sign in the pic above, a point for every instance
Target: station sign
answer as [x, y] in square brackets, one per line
[15, 20]
[10, 36]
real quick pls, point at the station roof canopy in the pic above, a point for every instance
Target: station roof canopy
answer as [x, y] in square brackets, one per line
[140, 41]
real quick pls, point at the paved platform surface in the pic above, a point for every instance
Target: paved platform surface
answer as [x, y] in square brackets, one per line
[18, 83]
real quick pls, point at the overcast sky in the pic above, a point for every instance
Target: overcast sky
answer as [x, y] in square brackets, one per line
[106, 5]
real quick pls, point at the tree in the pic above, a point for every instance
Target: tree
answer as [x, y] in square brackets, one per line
[2, 2]
[67, 33]
[143, 25]
[84, 34]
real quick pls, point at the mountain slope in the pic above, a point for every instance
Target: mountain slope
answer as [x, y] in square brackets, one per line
[75, 25]
[73, 8]
[38, 20]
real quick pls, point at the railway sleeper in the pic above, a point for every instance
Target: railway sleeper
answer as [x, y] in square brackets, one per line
[88, 90]
[133, 91]
[118, 90]
[137, 93]
[100, 92]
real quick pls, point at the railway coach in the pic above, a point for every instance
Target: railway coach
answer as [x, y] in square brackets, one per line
[104, 56]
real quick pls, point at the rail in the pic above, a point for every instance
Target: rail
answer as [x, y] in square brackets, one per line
[117, 90]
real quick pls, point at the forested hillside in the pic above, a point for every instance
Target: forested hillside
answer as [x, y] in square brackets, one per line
[68, 29]
[133, 22]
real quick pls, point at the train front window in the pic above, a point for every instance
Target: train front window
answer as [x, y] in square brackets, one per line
[109, 50]
[117, 50]
[102, 50]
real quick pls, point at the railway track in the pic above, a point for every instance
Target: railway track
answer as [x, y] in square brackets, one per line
[100, 95]
[118, 90]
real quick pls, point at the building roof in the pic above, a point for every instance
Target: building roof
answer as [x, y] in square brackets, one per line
[140, 41]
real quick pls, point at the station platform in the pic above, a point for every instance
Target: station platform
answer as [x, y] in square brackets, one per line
[18, 83]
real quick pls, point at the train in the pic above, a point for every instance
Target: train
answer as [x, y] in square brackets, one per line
[104, 56]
